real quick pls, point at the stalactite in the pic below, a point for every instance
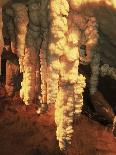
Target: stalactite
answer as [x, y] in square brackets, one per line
[91, 34]
[1, 36]
[35, 55]
[64, 114]
[20, 22]
[64, 61]
[29, 74]
[29, 79]
[1, 27]
[114, 126]
[56, 47]
[9, 27]
[56, 94]
[44, 55]
[93, 55]
[78, 94]
[12, 67]
[31, 59]
[95, 67]
[43, 72]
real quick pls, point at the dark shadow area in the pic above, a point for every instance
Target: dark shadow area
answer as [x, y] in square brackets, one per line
[13, 59]
[107, 87]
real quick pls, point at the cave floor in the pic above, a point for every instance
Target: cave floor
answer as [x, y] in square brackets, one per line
[23, 132]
